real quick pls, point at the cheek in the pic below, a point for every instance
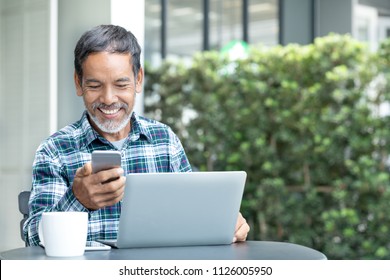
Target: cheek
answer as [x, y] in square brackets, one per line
[127, 97]
[89, 100]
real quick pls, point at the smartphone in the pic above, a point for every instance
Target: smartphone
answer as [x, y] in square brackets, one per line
[103, 160]
[96, 246]
[90, 246]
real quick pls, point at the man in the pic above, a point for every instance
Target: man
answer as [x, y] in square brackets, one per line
[108, 75]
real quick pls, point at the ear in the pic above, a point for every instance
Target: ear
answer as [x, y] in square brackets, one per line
[77, 83]
[140, 79]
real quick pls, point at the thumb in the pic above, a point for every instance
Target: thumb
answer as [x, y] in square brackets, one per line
[85, 170]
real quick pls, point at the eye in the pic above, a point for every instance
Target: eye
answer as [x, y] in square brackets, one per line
[122, 85]
[93, 87]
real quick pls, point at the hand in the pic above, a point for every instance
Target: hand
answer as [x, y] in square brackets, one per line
[95, 191]
[242, 229]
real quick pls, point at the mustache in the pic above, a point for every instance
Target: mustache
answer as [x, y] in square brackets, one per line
[113, 106]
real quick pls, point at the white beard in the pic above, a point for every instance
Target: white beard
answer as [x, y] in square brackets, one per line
[110, 126]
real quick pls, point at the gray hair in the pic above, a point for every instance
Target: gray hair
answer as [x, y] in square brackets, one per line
[107, 38]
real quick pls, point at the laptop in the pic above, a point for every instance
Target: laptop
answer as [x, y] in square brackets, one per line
[179, 209]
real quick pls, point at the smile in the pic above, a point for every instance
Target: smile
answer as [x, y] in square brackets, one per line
[110, 112]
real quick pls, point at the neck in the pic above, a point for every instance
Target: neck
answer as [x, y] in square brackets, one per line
[112, 137]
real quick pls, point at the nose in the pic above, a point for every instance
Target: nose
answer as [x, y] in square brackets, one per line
[108, 96]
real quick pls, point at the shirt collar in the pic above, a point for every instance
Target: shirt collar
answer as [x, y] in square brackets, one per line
[89, 133]
[138, 129]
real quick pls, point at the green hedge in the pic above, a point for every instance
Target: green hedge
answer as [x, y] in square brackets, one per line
[303, 122]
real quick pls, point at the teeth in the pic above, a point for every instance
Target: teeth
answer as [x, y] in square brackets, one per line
[110, 112]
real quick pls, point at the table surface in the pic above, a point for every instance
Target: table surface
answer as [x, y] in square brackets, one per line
[249, 250]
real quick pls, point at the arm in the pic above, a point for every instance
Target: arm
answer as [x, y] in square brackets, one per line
[179, 160]
[50, 191]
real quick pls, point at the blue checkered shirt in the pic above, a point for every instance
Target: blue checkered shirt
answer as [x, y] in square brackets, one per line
[150, 147]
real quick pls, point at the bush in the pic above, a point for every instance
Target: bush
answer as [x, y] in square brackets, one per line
[303, 122]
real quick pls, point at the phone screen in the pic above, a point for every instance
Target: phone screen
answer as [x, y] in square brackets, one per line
[103, 160]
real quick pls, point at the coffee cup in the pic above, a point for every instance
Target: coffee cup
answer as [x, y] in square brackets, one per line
[64, 234]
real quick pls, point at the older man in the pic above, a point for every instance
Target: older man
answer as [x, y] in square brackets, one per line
[108, 75]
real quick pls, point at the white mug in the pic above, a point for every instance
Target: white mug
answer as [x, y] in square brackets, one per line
[64, 234]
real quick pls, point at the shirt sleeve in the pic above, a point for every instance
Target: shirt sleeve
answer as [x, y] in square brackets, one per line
[179, 160]
[50, 191]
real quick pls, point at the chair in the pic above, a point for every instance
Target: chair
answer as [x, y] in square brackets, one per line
[23, 198]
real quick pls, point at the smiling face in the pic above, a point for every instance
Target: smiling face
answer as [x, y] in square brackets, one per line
[108, 87]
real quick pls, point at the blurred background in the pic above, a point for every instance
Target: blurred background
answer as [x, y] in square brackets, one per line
[37, 97]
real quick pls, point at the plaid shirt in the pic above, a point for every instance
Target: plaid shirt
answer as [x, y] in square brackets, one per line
[150, 147]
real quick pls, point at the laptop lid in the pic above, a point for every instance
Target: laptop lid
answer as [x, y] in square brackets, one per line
[180, 209]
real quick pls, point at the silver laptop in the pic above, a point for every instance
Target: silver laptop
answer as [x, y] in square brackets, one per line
[179, 209]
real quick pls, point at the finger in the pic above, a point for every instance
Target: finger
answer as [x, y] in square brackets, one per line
[110, 193]
[240, 221]
[241, 230]
[113, 187]
[111, 199]
[105, 176]
[242, 233]
[85, 170]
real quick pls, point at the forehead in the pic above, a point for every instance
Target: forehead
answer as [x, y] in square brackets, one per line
[107, 64]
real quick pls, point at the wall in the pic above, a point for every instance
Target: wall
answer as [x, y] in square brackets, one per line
[333, 16]
[74, 17]
[383, 4]
[296, 23]
[24, 106]
[25, 90]
[28, 82]
[303, 20]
